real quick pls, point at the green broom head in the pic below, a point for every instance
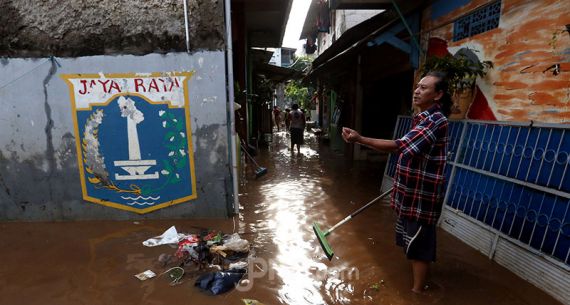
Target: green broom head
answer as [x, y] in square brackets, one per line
[322, 237]
[260, 172]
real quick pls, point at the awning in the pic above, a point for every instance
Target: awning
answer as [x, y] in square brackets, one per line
[373, 31]
[265, 20]
[276, 73]
[260, 65]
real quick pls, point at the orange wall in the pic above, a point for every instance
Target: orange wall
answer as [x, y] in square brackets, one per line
[519, 87]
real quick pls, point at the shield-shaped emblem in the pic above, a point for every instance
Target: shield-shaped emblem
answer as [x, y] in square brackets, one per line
[134, 141]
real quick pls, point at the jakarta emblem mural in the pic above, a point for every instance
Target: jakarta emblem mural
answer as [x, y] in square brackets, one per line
[134, 145]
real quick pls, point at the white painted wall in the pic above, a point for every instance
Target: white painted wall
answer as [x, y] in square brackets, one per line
[341, 22]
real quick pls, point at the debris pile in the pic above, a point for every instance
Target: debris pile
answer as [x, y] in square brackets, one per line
[218, 262]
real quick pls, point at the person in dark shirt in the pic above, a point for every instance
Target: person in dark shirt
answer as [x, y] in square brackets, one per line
[417, 197]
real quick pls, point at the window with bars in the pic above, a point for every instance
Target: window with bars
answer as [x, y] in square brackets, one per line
[479, 21]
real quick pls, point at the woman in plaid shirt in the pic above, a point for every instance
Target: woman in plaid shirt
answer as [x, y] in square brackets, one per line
[418, 183]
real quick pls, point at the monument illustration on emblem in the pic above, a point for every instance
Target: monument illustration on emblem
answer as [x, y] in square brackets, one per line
[135, 167]
[134, 139]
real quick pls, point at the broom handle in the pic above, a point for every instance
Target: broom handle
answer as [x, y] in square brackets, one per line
[250, 157]
[349, 217]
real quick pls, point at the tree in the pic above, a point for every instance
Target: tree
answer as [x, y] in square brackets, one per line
[298, 94]
[295, 90]
[302, 63]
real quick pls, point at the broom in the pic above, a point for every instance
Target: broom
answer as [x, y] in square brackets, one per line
[260, 170]
[322, 236]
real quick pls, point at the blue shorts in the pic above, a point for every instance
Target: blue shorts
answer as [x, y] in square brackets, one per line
[417, 240]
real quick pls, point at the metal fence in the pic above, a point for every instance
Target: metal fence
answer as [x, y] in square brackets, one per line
[510, 178]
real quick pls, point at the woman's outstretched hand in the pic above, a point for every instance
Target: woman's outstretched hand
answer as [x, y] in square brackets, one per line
[350, 135]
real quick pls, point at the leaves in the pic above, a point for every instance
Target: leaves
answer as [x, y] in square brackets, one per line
[169, 135]
[302, 63]
[298, 93]
[176, 178]
[174, 145]
[180, 163]
[166, 165]
[93, 180]
[179, 126]
[175, 141]
[462, 72]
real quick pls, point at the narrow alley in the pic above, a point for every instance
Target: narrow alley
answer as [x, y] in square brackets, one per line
[126, 129]
[93, 262]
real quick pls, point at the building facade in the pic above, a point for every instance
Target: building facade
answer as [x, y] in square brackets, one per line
[507, 192]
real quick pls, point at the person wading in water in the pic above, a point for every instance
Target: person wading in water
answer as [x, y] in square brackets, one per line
[417, 197]
[297, 121]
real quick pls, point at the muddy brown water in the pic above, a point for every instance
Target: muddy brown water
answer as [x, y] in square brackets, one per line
[93, 262]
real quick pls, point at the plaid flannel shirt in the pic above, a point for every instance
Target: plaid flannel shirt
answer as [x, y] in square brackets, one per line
[419, 178]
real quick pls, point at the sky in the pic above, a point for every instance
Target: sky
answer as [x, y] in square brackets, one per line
[295, 24]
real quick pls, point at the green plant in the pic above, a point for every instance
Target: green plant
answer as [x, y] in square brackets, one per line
[298, 93]
[462, 71]
[302, 63]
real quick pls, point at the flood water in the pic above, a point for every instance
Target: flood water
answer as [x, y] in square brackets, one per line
[93, 262]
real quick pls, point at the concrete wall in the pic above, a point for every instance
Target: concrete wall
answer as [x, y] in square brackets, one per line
[39, 174]
[343, 20]
[346, 19]
[354, 17]
[74, 28]
[531, 53]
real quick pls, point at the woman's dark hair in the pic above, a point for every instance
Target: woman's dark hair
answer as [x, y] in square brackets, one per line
[295, 106]
[442, 85]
